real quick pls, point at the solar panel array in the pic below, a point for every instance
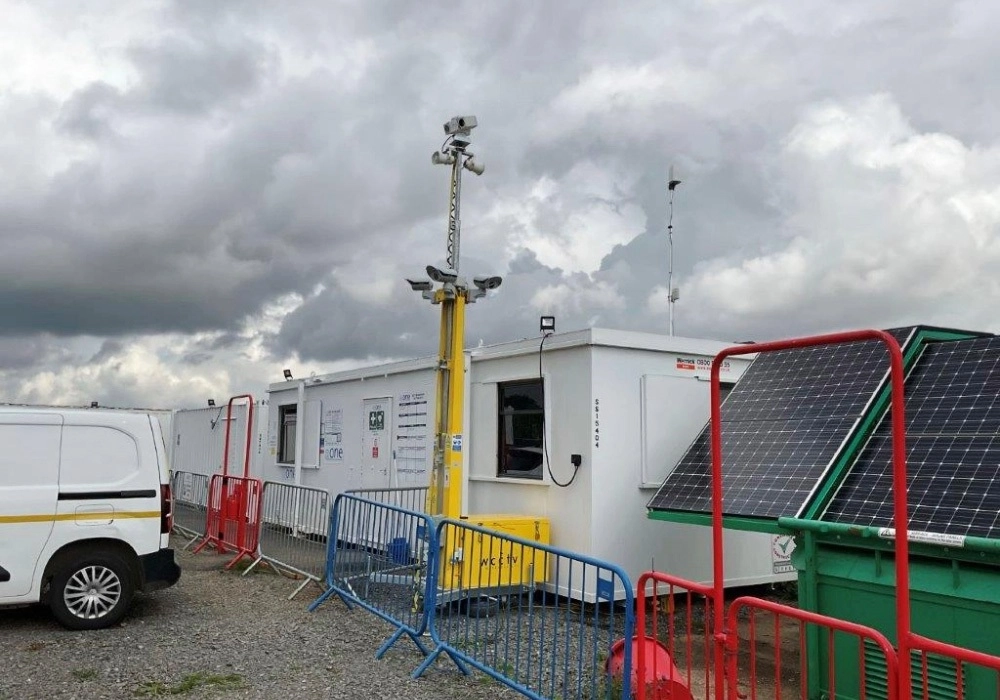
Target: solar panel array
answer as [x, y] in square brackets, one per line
[953, 448]
[782, 426]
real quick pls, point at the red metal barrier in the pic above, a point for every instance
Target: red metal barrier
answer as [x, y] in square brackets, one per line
[671, 599]
[249, 441]
[761, 686]
[962, 658]
[233, 518]
[726, 634]
[899, 491]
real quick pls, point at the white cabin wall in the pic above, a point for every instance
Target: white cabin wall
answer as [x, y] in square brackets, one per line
[567, 398]
[676, 400]
[197, 439]
[348, 397]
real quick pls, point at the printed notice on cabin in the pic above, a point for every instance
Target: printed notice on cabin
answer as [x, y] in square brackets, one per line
[331, 439]
[700, 364]
[412, 442]
[782, 547]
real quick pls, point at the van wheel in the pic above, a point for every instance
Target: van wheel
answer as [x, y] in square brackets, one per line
[91, 591]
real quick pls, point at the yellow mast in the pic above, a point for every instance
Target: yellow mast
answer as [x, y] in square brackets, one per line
[444, 496]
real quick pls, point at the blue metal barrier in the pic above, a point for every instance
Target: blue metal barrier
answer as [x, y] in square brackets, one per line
[379, 557]
[503, 607]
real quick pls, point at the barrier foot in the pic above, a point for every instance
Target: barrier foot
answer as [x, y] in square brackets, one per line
[250, 568]
[190, 542]
[325, 596]
[429, 661]
[387, 645]
[301, 586]
[205, 542]
[236, 560]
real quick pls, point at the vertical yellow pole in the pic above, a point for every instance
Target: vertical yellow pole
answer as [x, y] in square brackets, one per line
[455, 443]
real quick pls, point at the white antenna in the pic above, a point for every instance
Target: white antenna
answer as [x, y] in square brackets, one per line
[673, 294]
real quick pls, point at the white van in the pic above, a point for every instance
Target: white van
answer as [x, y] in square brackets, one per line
[85, 512]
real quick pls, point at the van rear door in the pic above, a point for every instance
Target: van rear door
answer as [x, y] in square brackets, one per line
[29, 492]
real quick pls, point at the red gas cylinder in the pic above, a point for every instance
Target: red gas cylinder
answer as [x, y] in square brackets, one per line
[662, 679]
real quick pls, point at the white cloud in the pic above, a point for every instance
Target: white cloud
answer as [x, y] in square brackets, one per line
[571, 223]
[577, 295]
[881, 213]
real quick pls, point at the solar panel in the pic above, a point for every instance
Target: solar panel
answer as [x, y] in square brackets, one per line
[783, 424]
[953, 448]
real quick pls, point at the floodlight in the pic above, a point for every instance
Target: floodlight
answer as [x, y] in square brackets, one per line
[288, 374]
[419, 285]
[439, 158]
[211, 402]
[439, 275]
[675, 294]
[471, 165]
[547, 324]
[488, 282]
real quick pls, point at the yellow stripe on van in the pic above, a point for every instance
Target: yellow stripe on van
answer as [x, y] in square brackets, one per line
[109, 515]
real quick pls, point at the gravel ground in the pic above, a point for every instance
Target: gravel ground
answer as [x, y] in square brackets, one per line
[220, 635]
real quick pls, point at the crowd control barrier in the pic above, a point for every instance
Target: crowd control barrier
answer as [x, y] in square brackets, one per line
[673, 650]
[233, 518]
[377, 559]
[494, 614]
[293, 532]
[407, 497]
[758, 671]
[969, 674]
[190, 494]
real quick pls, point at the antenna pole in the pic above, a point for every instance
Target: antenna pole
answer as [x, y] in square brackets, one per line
[672, 183]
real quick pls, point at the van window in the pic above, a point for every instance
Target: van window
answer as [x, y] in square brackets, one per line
[94, 454]
[29, 455]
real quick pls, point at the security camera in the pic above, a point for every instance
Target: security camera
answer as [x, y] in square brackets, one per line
[488, 282]
[460, 125]
[441, 275]
[419, 285]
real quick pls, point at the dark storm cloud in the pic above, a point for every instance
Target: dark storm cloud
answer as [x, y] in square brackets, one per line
[259, 149]
[28, 353]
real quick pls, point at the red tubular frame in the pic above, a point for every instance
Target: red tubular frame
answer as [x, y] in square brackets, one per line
[229, 423]
[904, 637]
[690, 587]
[806, 617]
[233, 516]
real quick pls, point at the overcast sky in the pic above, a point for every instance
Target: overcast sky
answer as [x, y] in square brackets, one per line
[194, 195]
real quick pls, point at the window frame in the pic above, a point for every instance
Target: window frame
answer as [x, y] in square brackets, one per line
[502, 413]
[284, 411]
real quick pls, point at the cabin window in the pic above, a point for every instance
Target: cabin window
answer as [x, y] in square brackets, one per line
[520, 426]
[286, 433]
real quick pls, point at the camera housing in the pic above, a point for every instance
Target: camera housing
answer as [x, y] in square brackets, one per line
[460, 125]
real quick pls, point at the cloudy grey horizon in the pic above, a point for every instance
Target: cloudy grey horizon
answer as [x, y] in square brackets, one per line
[197, 195]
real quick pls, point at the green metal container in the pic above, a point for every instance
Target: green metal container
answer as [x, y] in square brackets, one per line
[848, 573]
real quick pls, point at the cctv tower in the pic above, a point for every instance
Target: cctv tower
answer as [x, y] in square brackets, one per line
[444, 497]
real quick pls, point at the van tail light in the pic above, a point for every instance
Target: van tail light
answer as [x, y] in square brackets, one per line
[166, 509]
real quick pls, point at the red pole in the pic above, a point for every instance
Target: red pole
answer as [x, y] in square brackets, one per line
[229, 422]
[903, 632]
[246, 452]
[901, 522]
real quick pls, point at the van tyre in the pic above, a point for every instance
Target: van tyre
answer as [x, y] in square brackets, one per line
[91, 591]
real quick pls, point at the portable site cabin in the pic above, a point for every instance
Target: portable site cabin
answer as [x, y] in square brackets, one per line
[807, 454]
[624, 405]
